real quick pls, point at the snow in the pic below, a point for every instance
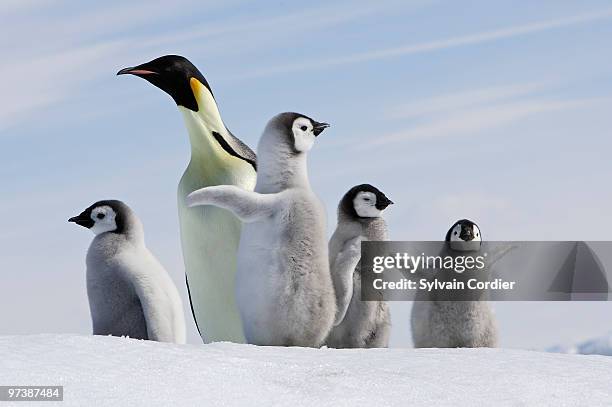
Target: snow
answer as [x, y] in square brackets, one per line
[98, 371]
[596, 346]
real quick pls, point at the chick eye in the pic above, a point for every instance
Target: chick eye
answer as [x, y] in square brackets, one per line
[303, 128]
[455, 233]
[477, 234]
[100, 216]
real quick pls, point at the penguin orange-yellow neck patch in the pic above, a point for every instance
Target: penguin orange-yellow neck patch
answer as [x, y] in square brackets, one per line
[207, 111]
[197, 88]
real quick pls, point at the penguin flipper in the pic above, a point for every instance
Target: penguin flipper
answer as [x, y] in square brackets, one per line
[155, 307]
[342, 271]
[234, 146]
[248, 206]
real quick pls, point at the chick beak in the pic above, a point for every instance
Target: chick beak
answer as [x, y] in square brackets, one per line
[466, 234]
[319, 127]
[82, 220]
[383, 203]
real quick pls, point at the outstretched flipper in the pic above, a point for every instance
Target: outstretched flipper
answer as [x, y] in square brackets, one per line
[342, 271]
[248, 206]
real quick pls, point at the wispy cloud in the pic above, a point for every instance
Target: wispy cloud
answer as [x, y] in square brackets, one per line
[18, 6]
[77, 49]
[475, 120]
[48, 79]
[460, 41]
[278, 25]
[82, 46]
[462, 100]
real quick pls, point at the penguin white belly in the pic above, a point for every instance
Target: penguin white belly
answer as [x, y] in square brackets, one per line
[210, 238]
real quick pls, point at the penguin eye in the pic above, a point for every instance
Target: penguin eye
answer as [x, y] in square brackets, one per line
[455, 233]
[477, 234]
[303, 128]
[100, 216]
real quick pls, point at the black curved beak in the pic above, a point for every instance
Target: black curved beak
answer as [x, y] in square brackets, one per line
[467, 234]
[140, 70]
[319, 127]
[82, 220]
[383, 203]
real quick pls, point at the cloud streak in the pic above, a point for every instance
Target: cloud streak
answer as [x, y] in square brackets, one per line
[49, 79]
[80, 48]
[461, 100]
[431, 46]
[279, 25]
[471, 121]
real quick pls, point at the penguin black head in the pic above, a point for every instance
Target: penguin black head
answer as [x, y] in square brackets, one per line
[104, 216]
[174, 75]
[464, 235]
[299, 130]
[364, 201]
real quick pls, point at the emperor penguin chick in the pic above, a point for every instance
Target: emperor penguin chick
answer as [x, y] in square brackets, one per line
[437, 321]
[284, 289]
[358, 324]
[130, 293]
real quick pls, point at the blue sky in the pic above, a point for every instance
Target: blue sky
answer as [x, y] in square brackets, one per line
[496, 111]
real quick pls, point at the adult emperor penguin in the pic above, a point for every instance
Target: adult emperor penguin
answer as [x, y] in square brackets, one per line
[438, 321]
[283, 285]
[358, 324]
[130, 293]
[209, 235]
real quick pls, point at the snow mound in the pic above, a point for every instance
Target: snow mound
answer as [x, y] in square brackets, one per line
[596, 346]
[98, 371]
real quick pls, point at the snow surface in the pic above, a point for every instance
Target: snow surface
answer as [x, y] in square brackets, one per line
[97, 370]
[596, 346]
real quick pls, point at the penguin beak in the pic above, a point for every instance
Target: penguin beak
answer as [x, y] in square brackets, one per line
[172, 83]
[383, 203]
[137, 71]
[318, 128]
[466, 234]
[82, 220]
